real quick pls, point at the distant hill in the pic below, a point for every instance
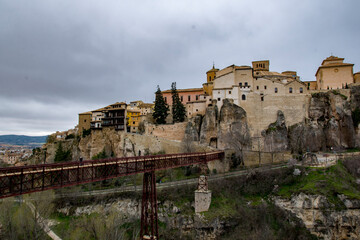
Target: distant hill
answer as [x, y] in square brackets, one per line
[35, 141]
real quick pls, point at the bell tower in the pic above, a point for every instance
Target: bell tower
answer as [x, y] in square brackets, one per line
[210, 76]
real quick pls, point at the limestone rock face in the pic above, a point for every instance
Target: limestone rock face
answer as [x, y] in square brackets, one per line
[318, 216]
[355, 97]
[329, 125]
[306, 137]
[208, 131]
[276, 136]
[233, 129]
[193, 127]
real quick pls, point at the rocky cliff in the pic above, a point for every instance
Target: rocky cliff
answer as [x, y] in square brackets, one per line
[330, 125]
[321, 219]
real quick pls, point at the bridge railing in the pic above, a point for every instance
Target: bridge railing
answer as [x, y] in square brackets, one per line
[26, 179]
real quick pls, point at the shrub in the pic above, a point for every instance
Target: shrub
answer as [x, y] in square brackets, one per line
[86, 132]
[70, 136]
[100, 155]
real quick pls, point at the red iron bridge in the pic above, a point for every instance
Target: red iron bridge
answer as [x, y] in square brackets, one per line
[27, 179]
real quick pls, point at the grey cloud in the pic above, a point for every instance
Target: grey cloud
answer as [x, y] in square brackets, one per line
[85, 54]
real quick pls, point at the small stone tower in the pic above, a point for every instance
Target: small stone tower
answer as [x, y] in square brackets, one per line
[210, 76]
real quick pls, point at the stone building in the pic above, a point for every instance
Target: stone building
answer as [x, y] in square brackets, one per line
[115, 116]
[133, 120]
[357, 77]
[209, 85]
[96, 118]
[261, 93]
[146, 108]
[185, 95]
[334, 74]
[84, 121]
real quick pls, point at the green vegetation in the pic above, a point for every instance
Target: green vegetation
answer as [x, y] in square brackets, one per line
[61, 155]
[100, 155]
[178, 109]
[336, 92]
[329, 182]
[86, 132]
[70, 136]
[161, 108]
[50, 139]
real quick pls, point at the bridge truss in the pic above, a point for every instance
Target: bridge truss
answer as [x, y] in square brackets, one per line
[27, 179]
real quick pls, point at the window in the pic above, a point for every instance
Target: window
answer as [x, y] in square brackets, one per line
[209, 78]
[229, 92]
[219, 99]
[265, 87]
[301, 90]
[257, 87]
[165, 99]
[246, 84]
[262, 98]
[181, 98]
[240, 84]
[189, 98]
[276, 90]
[84, 120]
[290, 90]
[134, 123]
[243, 97]
[197, 110]
[197, 97]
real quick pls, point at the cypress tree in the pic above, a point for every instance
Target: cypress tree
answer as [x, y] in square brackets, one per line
[61, 155]
[161, 108]
[178, 109]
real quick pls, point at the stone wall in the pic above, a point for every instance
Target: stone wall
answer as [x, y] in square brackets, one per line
[261, 114]
[174, 131]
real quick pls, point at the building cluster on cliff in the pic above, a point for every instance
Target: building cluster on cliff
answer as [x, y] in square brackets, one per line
[121, 116]
[259, 91]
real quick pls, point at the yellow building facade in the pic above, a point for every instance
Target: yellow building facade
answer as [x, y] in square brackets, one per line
[209, 85]
[334, 74]
[133, 120]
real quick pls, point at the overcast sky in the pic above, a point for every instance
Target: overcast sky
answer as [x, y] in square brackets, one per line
[62, 57]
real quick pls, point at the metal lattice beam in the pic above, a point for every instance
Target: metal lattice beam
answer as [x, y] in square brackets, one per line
[26, 179]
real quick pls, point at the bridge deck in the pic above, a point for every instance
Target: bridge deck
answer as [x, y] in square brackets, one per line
[26, 179]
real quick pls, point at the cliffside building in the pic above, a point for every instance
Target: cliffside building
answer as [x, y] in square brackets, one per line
[185, 95]
[334, 74]
[115, 116]
[84, 121]
[96, 118]
[209, 85]
[133, 120]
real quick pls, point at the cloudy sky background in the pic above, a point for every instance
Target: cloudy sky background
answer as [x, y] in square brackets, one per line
[62, 57]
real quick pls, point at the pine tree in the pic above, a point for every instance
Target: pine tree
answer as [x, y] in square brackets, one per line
[178, 109]
[161, 108]
[61, 155]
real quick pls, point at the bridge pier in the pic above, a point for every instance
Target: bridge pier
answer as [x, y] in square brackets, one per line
[202, 195]
[149, 215]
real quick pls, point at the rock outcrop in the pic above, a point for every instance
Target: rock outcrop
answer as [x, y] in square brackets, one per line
[330, 125]
[276, 136]
[321, 219]
[233, 130]
[208, 133]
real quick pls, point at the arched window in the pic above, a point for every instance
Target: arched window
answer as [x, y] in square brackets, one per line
[243, 97]
[276, 90]
[290, 90]
[301, 90]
